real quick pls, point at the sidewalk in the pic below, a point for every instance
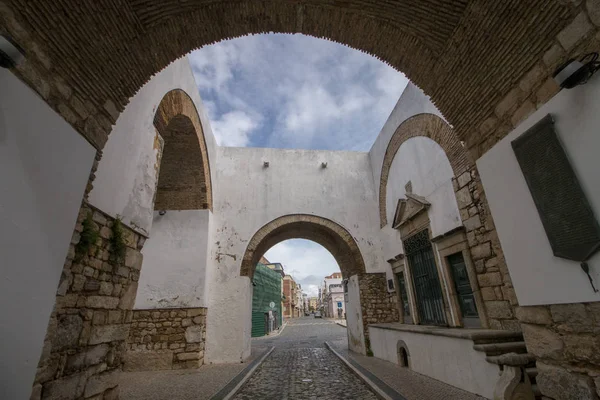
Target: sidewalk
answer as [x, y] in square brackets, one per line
[272, 334]
[340, 322]
[397, 383]
[196, 384]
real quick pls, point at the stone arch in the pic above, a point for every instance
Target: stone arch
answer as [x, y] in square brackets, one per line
[184, 181]
[466, 54]
[432, 127]
[403, 354]
[335, 238]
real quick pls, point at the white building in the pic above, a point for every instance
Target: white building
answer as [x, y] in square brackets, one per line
[333, 303]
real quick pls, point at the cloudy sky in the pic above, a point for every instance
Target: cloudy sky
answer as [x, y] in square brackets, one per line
[306, 261]
[295, 91]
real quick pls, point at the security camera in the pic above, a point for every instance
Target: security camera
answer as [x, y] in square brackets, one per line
[11, 54]
[576, 72]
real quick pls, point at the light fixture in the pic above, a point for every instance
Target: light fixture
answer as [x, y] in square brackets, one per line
[323, 165]
[576, 72]
[162, 212]
[11, 54]
[266, 164]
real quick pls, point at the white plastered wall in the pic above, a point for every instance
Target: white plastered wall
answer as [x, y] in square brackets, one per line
[424, 163]
[44, 168]
[175, 256]
[447, 359]
[125, 184]
[354, 317]
[538, 276]
[251, 196]
[412, 102]
[418, 160]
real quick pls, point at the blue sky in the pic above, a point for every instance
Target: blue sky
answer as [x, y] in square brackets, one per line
[295, 91]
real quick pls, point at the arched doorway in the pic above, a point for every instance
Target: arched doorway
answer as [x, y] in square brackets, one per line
[172, 282]
[362, 288]
[173, 273]
[184, 181]
[336, 239]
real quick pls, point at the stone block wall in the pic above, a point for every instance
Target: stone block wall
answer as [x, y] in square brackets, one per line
[565, 339]
[87, 333]
[377, 305]
[494, 281]
[166, 339]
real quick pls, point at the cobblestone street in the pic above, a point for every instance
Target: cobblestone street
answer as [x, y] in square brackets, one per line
[302, 368]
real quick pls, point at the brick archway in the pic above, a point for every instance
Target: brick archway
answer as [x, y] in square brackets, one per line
[432, 127]
[485, 63]
[336, 239]
[184, 181]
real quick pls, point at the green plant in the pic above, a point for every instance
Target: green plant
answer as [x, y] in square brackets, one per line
[117, 243]
[368, 346]
[87, 238]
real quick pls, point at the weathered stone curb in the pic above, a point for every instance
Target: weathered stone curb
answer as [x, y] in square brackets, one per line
[272, 336]
[234, 386]
[379, 387]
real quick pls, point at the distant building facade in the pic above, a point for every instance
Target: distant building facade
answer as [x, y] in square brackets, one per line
[288, 296]
[313, 303]
[332, 296]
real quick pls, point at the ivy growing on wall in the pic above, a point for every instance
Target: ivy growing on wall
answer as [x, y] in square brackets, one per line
[87, 238]
[368, 346]
[117, 243]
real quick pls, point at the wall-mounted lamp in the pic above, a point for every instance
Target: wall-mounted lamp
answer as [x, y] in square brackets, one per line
[266, 164]
[11, 54]
[576, 72]
[323, 165]
[162, 212]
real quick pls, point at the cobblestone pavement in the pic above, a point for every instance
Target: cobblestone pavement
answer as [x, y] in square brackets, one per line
[302, 368]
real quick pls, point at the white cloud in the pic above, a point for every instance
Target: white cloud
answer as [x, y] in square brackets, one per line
[308, 262]
[234, 128]
[305, 92]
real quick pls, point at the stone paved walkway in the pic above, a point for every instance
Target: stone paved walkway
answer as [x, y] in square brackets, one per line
[304, 373]
[197, 384]
[300, 367]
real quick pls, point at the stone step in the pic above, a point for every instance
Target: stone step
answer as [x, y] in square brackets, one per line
[496, 349]
[498, 337]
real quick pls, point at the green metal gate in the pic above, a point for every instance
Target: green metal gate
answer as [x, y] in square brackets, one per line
[428, 292]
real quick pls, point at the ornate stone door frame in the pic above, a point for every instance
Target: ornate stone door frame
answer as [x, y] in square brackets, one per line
[445, 245]
[399, 265]
[409, 227]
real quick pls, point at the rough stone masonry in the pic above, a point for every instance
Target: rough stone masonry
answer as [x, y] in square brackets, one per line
[85, 341]
[166, 339]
